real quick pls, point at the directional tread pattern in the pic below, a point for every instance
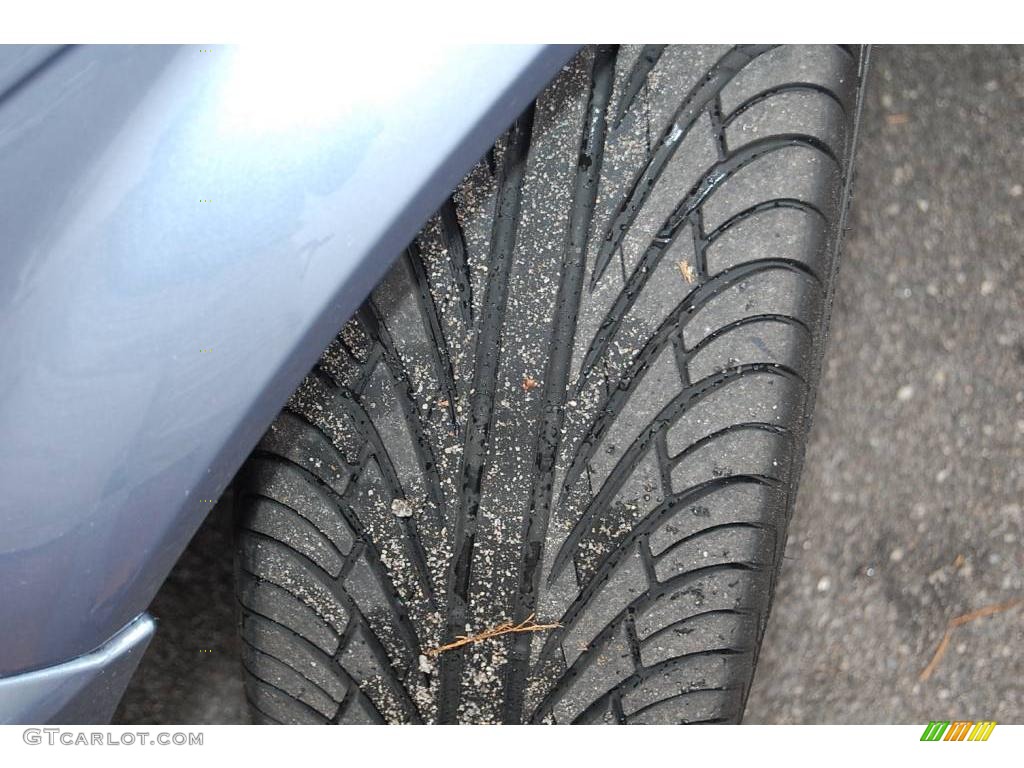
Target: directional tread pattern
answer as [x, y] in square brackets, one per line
[581, 394]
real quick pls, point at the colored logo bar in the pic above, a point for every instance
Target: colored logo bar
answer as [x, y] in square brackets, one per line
[958, 730]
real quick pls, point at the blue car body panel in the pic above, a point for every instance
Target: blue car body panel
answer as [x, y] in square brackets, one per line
[184, 230]
[83, 690]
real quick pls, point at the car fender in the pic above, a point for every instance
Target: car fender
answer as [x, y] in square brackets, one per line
[185, 229]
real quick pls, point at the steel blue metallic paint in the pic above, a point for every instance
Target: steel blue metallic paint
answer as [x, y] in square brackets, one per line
[183, 232]
[83, 690]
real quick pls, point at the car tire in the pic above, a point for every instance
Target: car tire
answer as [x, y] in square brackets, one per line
[544, 475]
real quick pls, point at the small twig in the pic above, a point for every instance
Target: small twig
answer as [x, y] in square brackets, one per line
[936, 657]
[959, 621]
[527, 625]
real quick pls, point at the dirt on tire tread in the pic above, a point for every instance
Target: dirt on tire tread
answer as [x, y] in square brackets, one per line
[582, 394]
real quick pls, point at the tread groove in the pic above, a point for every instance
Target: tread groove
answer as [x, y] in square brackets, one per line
[588, 171]
[455, 244]
[488, 353]
[646, 61]
[680, 126]
[439, 345]
[686, 399]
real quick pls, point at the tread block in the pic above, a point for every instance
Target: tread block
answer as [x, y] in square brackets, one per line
[276, 641]
[280, 606]
[681, 676]
[278, 564]
[283, 677]
[278, 522]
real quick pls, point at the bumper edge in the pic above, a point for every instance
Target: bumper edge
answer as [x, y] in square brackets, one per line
[84, 690]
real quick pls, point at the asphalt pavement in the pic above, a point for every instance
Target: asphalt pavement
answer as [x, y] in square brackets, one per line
[910, 517]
